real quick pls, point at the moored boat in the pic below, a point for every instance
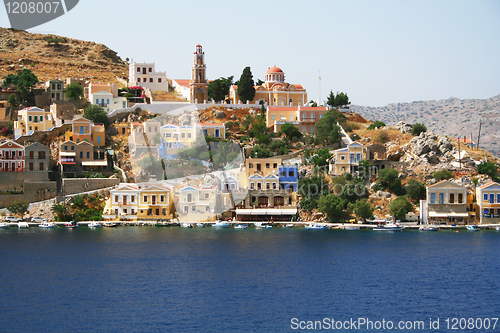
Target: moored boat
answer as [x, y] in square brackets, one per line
[220, 224]
[200, 225]
[240, 226]
[23, 225]
[109, 225]
[351, 227]
[47, 225]
[4, 225]
[428, 228]
[71, 225]
[289, 225]
[94, 225]
[186, 225]
[389, 226]
[473, 228]
[498, 228]
[316, 226]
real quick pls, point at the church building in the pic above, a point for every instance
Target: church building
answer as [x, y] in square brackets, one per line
[274, 91]
[199, 83]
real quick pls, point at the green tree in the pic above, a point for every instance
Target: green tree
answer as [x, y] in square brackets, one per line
[24, 81]
[388, 179]
[488, 168]
[415, 190]
[332, 206]
[13, 101]
[400, 207]
[442, 174]
[418, 128]
[290, 131]
[376, 125]
[18, 207]
[219, 88]
[246, 89]
[74, 91]
[327, 130]
[61, 211]
[96, 114]
[313, 103]
[362, 209]
[321, 157]
[339, 99]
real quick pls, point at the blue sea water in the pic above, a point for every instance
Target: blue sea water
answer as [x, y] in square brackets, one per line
[145, 279]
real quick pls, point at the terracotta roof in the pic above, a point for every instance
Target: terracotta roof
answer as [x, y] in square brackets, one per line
[488, 185]
[183, 82]
[314, 108]
[283, 108]
[444, 180]
[210, 124]
[274, 69]
[465, 140]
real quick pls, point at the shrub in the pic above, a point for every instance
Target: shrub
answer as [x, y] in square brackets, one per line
[442, 174]
[375, 125]
[400, 207]
[418, 128]
[415, 190]
[381, 137]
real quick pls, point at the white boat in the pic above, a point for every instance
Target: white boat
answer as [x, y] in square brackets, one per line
[94, 225]
[351, 227]
[316, 226]
[389, 226]
[289, 225]
[428, 228]
[200, 225]
[23, 225]
[47, 225]
[498, 228]
[186, 225]
[260, 224]
[220, 224]
[4, 225]
[109, 224]
[240, 226]
[473, 228]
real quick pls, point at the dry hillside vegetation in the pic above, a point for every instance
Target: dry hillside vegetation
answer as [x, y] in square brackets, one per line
[51, 57]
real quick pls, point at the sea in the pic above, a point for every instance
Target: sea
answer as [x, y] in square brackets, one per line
[172, 279]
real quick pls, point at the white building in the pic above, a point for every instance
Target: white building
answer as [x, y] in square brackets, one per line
[144, 74]
[107, 102]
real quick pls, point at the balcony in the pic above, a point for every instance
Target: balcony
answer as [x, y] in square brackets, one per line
[12, 158]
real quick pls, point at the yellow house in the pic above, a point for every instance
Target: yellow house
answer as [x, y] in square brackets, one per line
[274, 91]
[139, 202]
[303, 118]
[488, 200]
[216, 130]
[347, 159]
[446, 202]
[32, 119]
[262, 166]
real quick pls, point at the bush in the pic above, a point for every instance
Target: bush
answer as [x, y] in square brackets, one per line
[388, 179]
[400, 207]
[488, 168]
[442, 174]
[418, 128]
[415, 190]
[375, 125]
[381, 137]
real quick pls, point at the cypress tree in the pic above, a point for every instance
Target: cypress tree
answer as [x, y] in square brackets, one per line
[246, 89]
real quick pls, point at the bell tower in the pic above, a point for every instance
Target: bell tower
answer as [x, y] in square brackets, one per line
[199, 83]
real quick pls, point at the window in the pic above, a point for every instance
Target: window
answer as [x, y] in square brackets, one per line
[30, 118]
[275, 165]
[452, 198]
[272, 117]
[252, 186]
[433, 198]
[132, 211]
[485, 197]
[132, 199]
[268, 186]
[441, 198]
[32, 155]
[291, 173]
[303, 117]
[267, 165]
[492, 198]
[342, 157]
[250, 165]
[42, 168]
[313, 116]
[31, 166]
[145, 198]
[162, 198]
[498, 198]
[125, 210]
[303, 129]
[159, 80]
[88, 154]
[183, 135]
[116, 198]
[283, 174]
[81, 154]
[193, 208]
[98, 139]
[291, 118]
[138, 69]
[107, 102]
[41, 155]
[274, 186]
[116, 211]
[65, 147]
[36, 128]
[150, 69]
[138, 79]
[312, 129]
[207, 195]
[189, 135]
[460, 198]
[217, 133]
[321, 116]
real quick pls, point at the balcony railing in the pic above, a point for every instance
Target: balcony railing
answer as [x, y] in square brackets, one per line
[12, 158]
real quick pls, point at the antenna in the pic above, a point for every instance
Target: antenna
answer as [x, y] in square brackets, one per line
[319, 82]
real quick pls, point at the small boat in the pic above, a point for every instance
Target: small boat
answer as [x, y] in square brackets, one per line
[109, 225]
[4, 225]
[47, 225]
[351, 227]
[200, 225]
[186, 225]
[428, 228]
[240, 226]
[71, 225]
[498, 228]
[473, 228]
[389, 226]
[316, 226]
[162, 224]
[23, 225]
[94, 225]
[289, 225]
[260, 224]
[220, 224]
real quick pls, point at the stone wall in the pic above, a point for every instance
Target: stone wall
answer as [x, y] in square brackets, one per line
[11, 181]
[39, 191]
[7, 199]
[79, 185]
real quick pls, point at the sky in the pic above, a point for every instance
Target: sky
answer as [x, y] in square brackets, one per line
[377, 52]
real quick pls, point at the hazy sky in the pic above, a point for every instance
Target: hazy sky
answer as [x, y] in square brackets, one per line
[378, 52]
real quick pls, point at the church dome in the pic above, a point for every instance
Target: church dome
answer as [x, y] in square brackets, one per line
[274, 70]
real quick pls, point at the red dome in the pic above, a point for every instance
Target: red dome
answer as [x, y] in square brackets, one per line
[274, 70]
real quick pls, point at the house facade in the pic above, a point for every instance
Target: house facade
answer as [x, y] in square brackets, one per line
[145, 75]
[303, 118]
[37, 162]
[55, 88]
[32, 119]
[488, 201]
[446, 203]
[107, 102]
[11, 157]
[347, 159]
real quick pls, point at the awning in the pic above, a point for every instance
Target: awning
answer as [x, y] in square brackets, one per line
[94, 163]
[439, 214]
[67, 153]
[269, 211]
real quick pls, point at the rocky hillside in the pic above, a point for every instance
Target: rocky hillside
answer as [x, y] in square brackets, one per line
[453, 117]
[51, 57]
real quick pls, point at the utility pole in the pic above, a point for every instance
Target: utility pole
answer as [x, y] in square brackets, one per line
[479, 135]
[319, 82]
[459, 154]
